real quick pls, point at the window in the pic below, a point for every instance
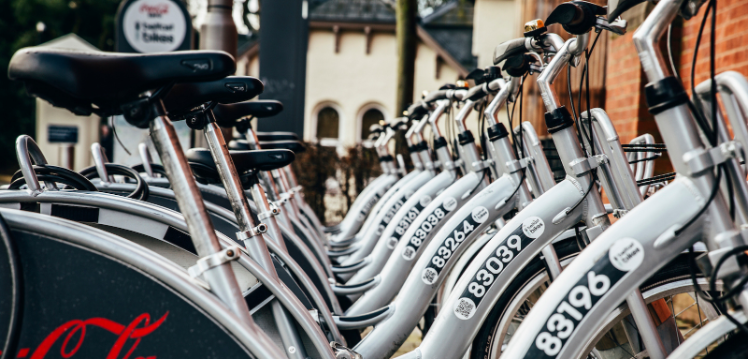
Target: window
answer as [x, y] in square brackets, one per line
[371, 117]
[328, 123]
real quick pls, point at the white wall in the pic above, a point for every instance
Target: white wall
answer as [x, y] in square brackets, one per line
[88, 133]
[352, 79]
[494, 21]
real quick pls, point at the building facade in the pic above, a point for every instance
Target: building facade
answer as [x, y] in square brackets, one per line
[352, 59]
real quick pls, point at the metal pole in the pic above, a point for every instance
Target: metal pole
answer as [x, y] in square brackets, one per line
[218, 32]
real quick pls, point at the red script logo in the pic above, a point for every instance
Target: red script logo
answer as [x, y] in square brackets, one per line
[136, 330]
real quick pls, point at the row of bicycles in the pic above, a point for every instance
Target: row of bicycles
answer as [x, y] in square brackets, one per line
[213, 252]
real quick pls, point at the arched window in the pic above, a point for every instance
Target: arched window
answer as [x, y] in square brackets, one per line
[372, 116]
[328, 123]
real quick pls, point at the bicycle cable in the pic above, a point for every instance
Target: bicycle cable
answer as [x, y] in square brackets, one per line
[521, 135]
[141, 191]
[485, 171]
[715, 186]
[713, 137]
[116, 136]
[670, 51]
[586, 72]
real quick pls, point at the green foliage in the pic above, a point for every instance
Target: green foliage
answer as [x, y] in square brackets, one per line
[313, 168]
[318, 164]
[93, 20]
[356, 168]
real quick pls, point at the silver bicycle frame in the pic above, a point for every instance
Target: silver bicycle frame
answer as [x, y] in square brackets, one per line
[148, 263]
[530, 230]
[100, 160]
[372, 193]
[302, 276]
[221, 278]
[389, 210]
[522, 239]
[353, 243]
[145, 156]
[644, 169]
[366, 200]
[733, 89]
[363, 204]
[155, 221]
[734, 170]
[639, 244]
[416, 209]
[278, 229]
[253, 239]
[391, 190]
[538, 172]
[439, 256]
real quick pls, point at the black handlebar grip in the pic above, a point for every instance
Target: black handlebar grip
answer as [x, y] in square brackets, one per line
[476, 93]
[618, 7]
[576, 17]
[436, 95]
[396, 123]
[416, 110]
[516, 66]
[509, 48]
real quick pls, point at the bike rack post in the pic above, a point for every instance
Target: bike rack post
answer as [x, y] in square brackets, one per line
[100, 161]
[29, 154]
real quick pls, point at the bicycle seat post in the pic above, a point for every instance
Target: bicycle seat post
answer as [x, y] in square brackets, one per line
[249, 233]
[29, 154]
[254, 144]
[221, 277]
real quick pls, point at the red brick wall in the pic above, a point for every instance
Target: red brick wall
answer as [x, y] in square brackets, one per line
[731, 42]
[624, 84]
[623, 90]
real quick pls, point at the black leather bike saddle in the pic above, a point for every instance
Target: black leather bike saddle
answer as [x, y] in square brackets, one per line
[188, 95]
[227, 115]
[100, 82]
[244, 161]
[295, 146]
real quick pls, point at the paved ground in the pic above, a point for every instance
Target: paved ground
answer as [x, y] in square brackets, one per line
[414, 340]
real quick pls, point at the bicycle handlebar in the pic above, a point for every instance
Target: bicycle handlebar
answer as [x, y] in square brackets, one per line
[436, 95]
[476, 93]
[416, 110]
[510, 48]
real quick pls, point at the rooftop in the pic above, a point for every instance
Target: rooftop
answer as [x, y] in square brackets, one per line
[377, 11]
[450, 25]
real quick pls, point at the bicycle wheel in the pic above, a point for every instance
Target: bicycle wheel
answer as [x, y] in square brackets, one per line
[670, 287]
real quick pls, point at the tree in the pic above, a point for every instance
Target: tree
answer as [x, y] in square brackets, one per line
[406, 52]
[20, 20]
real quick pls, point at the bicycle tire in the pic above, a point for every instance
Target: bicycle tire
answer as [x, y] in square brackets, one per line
[482, 345]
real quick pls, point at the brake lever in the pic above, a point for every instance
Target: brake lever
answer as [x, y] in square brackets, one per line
[617, 27]
[534, 68]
